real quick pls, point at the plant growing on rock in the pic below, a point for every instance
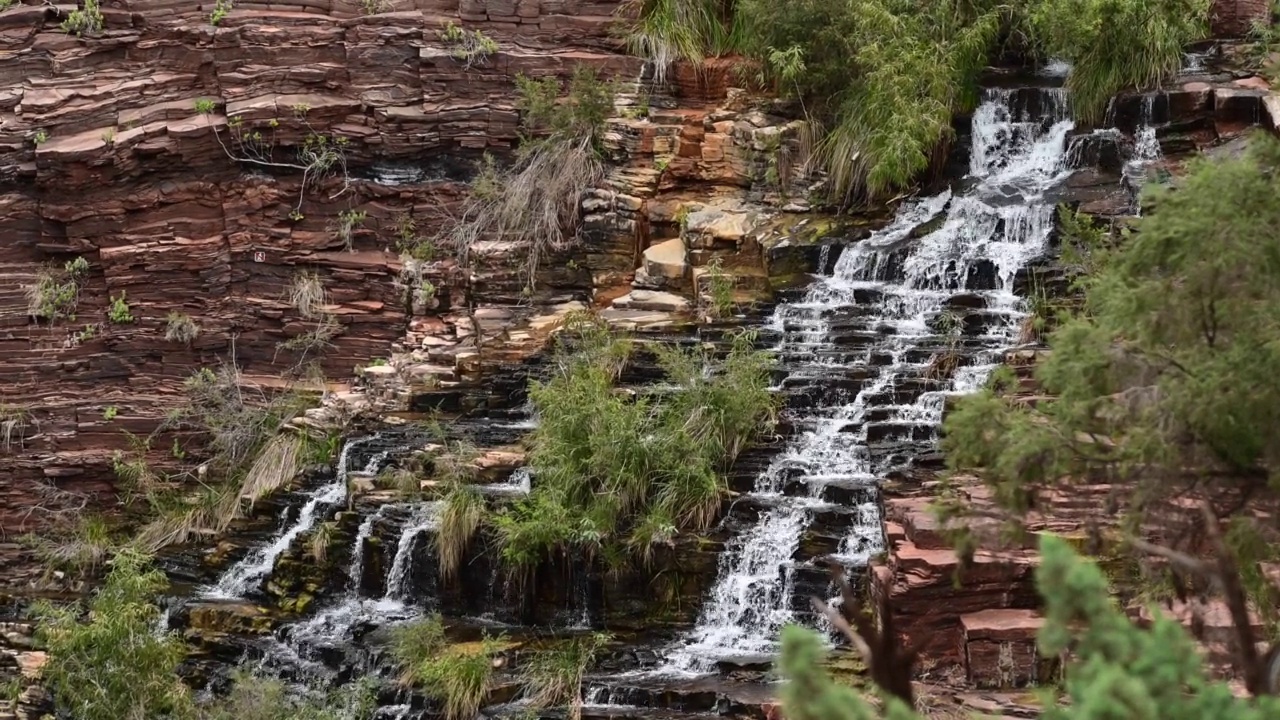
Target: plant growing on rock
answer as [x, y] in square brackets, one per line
[553, 678]
[85, 20]
[180, 328]
[114, 665]
[119, 313]
[319, 157]
[205, 106]
[347, 223]
[464, 512]
[221, 9]
[81, 544]
[56, 293]
[1114, 669]
[469, 48]
[13, 427]
[460, 677]
[613, 475]
[534, 204]
[307, 295]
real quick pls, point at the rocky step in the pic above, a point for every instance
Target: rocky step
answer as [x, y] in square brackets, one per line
[999, 649]
[713, 695]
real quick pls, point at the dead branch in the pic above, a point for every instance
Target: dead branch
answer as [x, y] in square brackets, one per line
[889, 661]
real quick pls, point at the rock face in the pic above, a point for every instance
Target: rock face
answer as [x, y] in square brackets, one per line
[171, 164]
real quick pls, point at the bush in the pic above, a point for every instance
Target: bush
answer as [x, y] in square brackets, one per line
[56, 292]
[553, 678]
[1164, 379]
[613, 475]
[1115, 670]
[459, 676]
[534, 203]
[114, 665]
[180, 328]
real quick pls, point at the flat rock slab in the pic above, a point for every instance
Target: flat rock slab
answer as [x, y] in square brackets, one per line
[652, 300]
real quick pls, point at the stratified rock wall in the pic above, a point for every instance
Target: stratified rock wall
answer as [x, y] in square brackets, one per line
[103, 156]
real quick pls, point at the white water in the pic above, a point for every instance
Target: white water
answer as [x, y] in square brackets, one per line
[425, 517]
[240, 578]
[891, 286]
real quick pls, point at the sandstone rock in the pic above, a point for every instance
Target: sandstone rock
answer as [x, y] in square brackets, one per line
[664, 302]
[666, 260]
[1000, 648]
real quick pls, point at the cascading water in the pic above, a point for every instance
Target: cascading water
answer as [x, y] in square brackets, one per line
[239, 579]
[426, 517]
[938, 279]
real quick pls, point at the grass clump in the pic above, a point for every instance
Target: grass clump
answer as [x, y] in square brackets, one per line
[553, 678]
[56, 291]
[534, 202]
[464, 513]
[114, 665]
[616, 475]
[180, 328]
[458, 676]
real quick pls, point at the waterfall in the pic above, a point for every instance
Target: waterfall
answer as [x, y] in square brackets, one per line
[880, 315]
[426, 517]
[356, 572]
[240, 578]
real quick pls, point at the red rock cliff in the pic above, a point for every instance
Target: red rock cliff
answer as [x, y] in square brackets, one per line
[103, 156]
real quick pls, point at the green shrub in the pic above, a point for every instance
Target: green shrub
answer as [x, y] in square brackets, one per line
[56, 292]
[616, 475]
[459, 676]
[114, 665]
[553, 678]
[464, 512]
[1113, 668]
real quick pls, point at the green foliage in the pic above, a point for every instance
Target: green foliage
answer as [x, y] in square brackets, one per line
[553, 678]
[221, 9]
[417, 640]
[464, 512]
[1116, 671]
[114, 665]
[582, 113]
[616, 475]
[469, 48]
[119, 313]
[459, 676]
[253, 697]
[80, 548]
[535, 202]
[56, 293]
[86, 20]
[881, 79]
[346, 225]
[180, 328]
[1165, 378]
[1115, 44]
[205, 106]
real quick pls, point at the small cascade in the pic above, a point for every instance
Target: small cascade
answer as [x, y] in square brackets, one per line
[936, 282]
[425, 517]
[356, 572]
[241, 578]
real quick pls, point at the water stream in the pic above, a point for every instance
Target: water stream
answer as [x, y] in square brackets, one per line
[938, 280]
[242, 577]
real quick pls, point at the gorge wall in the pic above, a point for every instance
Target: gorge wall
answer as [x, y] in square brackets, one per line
[104, 156]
